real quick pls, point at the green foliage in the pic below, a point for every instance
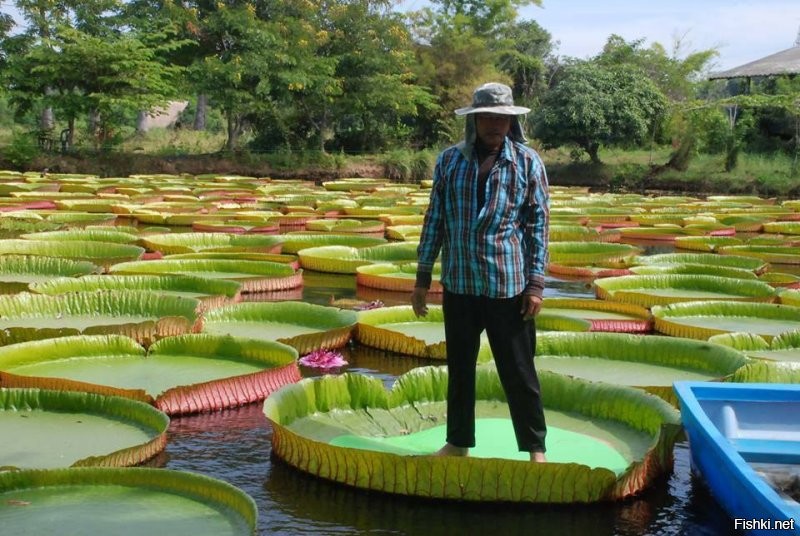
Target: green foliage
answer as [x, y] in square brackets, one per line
[77, 73]
[21, 151]
[522, 56]
[674, 76]
[594, 106]
[6, 113]
[408, 166]
[397, 165]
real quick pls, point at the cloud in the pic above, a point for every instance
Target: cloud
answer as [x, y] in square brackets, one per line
[742, 32]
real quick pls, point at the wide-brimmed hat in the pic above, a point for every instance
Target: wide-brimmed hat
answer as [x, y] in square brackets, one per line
[493, 98]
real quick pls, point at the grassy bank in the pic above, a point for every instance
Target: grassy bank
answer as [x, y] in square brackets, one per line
[187, 151]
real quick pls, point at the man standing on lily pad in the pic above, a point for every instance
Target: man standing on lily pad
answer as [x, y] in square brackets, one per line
[489, 217]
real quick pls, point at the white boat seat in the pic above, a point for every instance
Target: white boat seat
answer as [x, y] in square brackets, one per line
[731, 429]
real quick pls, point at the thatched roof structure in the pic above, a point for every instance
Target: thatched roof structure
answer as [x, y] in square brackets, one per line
[785, 62]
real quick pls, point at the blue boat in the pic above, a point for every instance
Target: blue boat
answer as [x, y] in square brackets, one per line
[745, 443]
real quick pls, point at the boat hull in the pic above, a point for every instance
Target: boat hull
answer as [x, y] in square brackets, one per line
[735, 429]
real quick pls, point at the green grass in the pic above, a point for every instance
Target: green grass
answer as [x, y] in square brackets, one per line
[766, 175]
[172, 142]
[621, 170]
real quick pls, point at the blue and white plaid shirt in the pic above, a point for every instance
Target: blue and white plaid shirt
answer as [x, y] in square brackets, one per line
[498, 250]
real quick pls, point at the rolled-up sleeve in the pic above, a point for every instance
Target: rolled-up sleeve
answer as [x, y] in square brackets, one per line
[537, 229]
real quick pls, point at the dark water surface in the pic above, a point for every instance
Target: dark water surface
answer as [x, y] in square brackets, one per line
[235, 446]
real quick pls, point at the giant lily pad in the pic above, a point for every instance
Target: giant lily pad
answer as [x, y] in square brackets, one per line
[791, 297]
[398, 277]
[210, 292]
[294, 242]
[303, 326]
[109, 234]
[254, 276]
[17, 271]
[404, 232]
[605, 442]
[45, 429]
[580, 253]
[784, 348]
[602, 315]
[180, 375]
[584, 272]
[193, 242]
[781, 279]
[345, 260]
[701, 320]
[347, 226]
[129, 502]
[772, 254]
[397, 329]
[705, 243]
[735, 261]
[81, 218]
[649, 362]
[693, 268]
[649, 290]
[291, 260]
[666, 233]
[144, 316]
[783, 227]
[100, 253]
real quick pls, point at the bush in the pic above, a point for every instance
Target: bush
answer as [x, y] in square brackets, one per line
[22, 150]
[422, 164]
[397, 165]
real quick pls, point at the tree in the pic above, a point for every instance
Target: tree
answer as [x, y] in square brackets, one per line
[374, 67]
[522, 55]
[460, 45]
[676, 77]
[77, 73]
[595, 106]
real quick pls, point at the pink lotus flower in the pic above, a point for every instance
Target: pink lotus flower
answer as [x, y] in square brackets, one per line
[323, 359]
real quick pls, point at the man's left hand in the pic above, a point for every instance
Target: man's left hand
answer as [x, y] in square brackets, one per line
[531, 305]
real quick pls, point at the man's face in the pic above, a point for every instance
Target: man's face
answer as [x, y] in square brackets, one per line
[492, 128]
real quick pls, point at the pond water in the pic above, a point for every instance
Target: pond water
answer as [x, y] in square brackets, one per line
[235, 446]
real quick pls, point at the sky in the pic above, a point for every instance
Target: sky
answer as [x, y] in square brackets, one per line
[742, 31]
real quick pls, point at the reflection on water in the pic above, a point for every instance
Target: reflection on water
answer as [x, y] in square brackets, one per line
[234, 445]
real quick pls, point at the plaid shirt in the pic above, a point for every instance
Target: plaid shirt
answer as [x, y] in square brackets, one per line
[498, 250]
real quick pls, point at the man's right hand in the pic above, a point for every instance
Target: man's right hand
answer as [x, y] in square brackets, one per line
[418, 299]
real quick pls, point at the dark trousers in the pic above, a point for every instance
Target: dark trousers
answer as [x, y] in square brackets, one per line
[513, 343]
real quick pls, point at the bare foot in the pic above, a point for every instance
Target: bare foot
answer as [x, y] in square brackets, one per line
[451, 450]
[538, 457]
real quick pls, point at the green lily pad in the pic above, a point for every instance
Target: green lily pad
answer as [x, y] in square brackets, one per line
[661, 289]
[144, 316]
[44, 429]
[193, 242]
[180, 375]
[128, 502]
[580, 253]
[735, 261]
[346, 260]
[649, 362]
[312, 418]
[254, 276]
[701, 320]
[18, 271]
[602, 315]
[100, 253]
[304, 326]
